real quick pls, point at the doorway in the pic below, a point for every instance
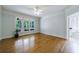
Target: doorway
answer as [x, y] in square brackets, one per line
[72, 45]
[73, 26]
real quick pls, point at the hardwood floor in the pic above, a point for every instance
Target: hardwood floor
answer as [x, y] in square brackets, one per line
[71, 45]
[36, 43]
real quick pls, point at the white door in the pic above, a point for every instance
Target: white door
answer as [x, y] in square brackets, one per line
[73, 26]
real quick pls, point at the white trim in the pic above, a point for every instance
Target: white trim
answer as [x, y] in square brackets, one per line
[6, 37]
[55, 36]
[19, 35]
[67, 27]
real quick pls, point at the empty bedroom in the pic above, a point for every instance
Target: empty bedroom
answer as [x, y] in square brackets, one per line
[39, 28]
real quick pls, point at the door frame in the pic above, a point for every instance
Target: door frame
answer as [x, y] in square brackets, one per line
[69, 22]
[67, 28]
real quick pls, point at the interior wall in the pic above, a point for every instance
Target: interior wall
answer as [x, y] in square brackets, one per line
[70, 11]
[0, 19]
[8, 23]
[54, 24]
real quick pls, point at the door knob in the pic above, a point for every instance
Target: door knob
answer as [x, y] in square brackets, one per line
[70, 28]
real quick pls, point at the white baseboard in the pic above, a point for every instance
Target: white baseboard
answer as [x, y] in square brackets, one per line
[31, 33]
[19, 35]
[6, 37]
[56, 36]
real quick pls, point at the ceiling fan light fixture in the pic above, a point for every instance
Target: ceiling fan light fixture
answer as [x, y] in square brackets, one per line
[37, 11]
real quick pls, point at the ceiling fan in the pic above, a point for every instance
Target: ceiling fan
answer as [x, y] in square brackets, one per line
[37, 10]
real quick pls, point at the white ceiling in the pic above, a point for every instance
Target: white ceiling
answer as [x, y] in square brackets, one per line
[28, 9]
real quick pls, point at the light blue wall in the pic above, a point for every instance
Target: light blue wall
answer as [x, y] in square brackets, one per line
[54, 24]
[8, 23]
[0, 20]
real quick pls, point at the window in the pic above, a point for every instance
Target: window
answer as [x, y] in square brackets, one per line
[26, 25]
[18, 24]
[31, 25]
